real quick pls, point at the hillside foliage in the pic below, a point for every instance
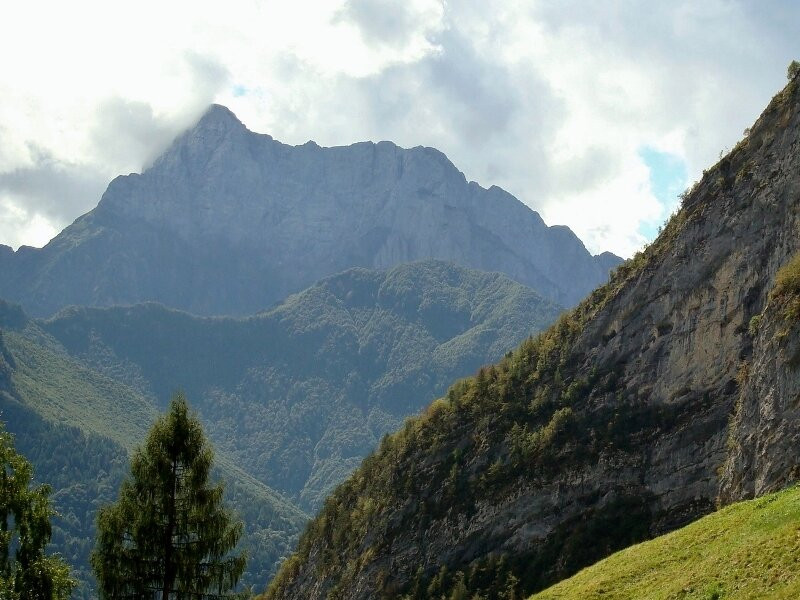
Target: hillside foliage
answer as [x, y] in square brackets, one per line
[27, 571]
[323, 376]
[64, 421]
[549, 416]
[300, 394]
[521, 418]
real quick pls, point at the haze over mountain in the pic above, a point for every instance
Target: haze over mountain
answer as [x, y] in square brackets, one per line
[227, 221]
[294, 397]
[668, 390]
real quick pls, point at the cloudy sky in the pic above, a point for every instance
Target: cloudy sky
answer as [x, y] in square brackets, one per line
[596, 114]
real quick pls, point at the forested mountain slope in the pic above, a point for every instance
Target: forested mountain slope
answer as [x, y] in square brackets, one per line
[301, 393]
[292, 398]
[78, 426]
[228, 222]
[629, 417]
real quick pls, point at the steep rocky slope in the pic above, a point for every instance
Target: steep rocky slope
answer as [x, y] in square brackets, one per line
[301, 393]
[764, 433]
[629, 417]
[227, 221]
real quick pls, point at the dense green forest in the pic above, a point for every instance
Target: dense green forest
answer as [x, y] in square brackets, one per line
[85, 470]
[42, 390]
[300, 393]
[292, 398]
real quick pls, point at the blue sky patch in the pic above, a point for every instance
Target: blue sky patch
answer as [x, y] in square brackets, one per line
[668, 178]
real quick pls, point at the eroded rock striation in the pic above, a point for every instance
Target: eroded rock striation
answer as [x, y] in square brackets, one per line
[653, 400]
[227, 221]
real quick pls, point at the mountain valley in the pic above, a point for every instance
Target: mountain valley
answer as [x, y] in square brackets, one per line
[295, 397]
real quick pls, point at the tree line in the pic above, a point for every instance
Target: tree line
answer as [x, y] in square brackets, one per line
[169, 536]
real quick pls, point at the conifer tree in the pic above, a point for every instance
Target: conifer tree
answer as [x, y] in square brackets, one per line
[26, 573]
[169, 536]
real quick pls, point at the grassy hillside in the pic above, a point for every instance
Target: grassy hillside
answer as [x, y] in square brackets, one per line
[748, 550]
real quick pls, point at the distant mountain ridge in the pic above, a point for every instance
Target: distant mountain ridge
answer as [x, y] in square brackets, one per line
[228, 221]
[322, 376]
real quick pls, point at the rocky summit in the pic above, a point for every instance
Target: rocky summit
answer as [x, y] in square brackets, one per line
[669, 390]
[228, 221]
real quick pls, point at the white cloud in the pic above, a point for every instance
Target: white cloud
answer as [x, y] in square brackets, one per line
[21, 226]
[552, 101]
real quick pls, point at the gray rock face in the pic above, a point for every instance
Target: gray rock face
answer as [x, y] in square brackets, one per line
[227, 221]
[764, 435]
[632, 416]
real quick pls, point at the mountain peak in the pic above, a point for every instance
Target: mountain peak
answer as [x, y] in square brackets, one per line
[228, 195]
[217, 116]
[218, 129]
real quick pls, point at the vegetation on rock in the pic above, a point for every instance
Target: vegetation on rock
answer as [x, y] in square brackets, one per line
[787, 288]
[793, 70]
[607, 429]
[323, 376]
[300, 394]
